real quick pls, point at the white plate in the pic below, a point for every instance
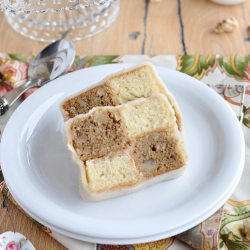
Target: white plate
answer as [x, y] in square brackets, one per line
[39, 172]
[132, 240]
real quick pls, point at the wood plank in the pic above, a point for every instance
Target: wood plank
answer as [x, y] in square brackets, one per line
[15, 220]
[163, 29]
[200, 18]
[115, 40]
[245, 14]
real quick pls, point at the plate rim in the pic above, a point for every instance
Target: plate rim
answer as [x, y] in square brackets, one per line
[139, 240]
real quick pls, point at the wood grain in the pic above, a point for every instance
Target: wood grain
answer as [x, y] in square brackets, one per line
[142, 27]
[160, 31]
[163, 29]
[245, 15]
[200, 18]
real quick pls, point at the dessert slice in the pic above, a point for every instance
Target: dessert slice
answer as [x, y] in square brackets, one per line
[120, 149]
[138, 82]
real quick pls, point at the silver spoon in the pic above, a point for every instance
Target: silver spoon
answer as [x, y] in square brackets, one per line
[51, 62]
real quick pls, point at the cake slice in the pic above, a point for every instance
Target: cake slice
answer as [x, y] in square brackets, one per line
[138, 82]
[120, 149]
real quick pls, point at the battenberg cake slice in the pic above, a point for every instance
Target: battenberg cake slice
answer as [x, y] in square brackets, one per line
[140, 144]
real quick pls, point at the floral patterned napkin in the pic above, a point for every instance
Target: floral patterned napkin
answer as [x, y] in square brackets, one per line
[228, 228]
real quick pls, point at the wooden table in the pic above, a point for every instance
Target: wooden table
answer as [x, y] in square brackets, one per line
[160, 31]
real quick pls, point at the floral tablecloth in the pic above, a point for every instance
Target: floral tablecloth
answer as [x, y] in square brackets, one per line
[228, 228]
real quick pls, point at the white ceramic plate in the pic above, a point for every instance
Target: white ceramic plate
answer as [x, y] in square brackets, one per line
[151, 238]
[39, 172]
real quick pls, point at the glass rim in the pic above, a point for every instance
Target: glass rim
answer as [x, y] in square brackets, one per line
[28, 8]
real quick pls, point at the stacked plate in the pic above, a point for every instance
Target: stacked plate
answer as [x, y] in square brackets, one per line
[44, 180]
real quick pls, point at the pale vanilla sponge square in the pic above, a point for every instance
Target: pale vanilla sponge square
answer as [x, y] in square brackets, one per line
[148, 115]
[113, 171]
[138, 83]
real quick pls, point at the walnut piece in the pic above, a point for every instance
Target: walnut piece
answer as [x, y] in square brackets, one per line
[227, 25]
